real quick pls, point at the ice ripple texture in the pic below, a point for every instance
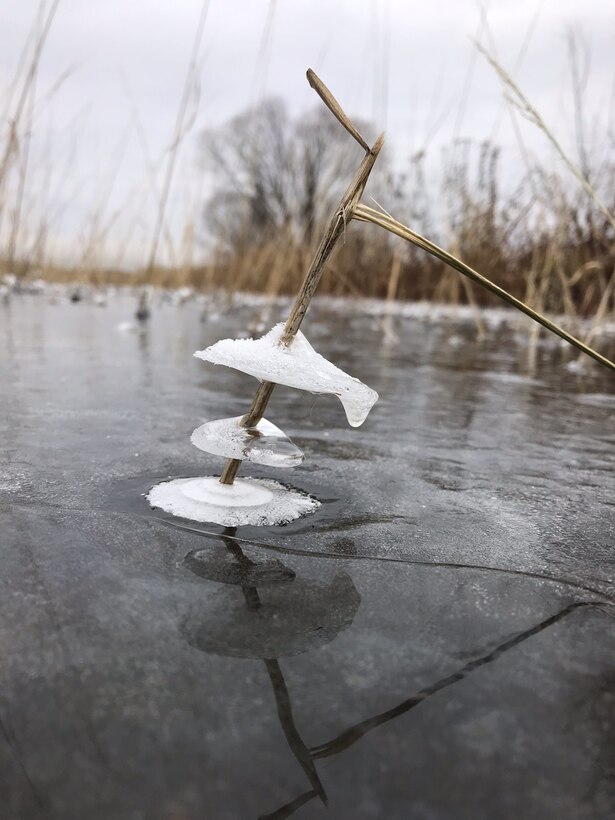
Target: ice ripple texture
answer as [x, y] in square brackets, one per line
[263, 444]
[297, 365]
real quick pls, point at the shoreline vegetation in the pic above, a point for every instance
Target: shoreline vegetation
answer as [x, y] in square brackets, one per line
[548, 238]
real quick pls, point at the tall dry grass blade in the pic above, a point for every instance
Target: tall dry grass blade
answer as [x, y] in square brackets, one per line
[178, 134]
[519, 99]
[334, 107]
[45, 23]
[366, 214]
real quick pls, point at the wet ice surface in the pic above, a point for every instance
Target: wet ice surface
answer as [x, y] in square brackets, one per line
[436, 641]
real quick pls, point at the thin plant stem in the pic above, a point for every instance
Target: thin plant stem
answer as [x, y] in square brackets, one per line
[522, 103]
[364, 213]
[335, 229]
[178, 135]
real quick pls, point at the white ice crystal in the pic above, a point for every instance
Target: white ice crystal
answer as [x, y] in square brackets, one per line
[247, 502]
[263, 444]
[297, 365]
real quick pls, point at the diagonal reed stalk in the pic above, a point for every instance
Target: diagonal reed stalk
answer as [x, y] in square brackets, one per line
[350, 208]
[364, 213]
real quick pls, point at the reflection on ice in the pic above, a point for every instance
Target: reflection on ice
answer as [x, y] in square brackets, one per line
[286, 619]
[290, 617]
[234, 567]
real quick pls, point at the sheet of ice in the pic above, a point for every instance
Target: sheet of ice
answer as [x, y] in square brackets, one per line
[263, 444]
[9, 484]
[297, 365]
[252, 502]
[596, 399]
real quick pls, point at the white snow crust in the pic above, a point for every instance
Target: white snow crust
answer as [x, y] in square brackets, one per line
[297, 365]
[263, 444]
[248, 502]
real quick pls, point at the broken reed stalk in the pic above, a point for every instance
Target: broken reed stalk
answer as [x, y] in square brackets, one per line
[334, 107]
[334, 231]
[349, 208]
[364, 213]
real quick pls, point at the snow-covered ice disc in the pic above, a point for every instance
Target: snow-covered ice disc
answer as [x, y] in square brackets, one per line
[240, 494]
[247, 502]
[263, 444]
[297, 365]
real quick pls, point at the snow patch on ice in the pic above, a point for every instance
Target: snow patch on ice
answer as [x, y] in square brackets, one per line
[297, 365]
[127, 327]
[263, 444]
[248, 502]
[578, 366]
[596, 399]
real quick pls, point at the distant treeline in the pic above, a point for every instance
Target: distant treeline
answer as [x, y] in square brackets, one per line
[275, 183]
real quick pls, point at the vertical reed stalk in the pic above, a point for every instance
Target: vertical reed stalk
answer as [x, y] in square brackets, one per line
[178, 135]
[335, 229]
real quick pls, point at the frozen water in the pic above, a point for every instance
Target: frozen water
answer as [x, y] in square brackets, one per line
[297, 365]
[292, 618]
[263, 444]
[475, 520]
[9, 484]
[231, 566]
[126, 327]
[248, 502]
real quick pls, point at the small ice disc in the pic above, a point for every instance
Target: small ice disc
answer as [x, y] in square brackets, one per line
[240, 494]
[251, 502]
[263, 444]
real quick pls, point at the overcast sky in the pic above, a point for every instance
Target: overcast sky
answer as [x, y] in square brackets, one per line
[407, 65]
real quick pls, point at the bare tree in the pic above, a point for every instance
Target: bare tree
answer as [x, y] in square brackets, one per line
[272, 173]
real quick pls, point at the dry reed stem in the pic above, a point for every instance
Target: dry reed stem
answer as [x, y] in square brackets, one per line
[364, 213]
[335, 229]
[521, 102]
[178, 133]
[334, 107]
[15, 120]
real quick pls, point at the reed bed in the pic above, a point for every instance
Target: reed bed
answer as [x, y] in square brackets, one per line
[549, 240]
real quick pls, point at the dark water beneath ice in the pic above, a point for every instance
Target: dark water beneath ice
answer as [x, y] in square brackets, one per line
[436, 641]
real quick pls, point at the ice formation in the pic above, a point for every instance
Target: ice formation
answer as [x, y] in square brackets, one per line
[263, 444]
[297, 365]
[254, 501]
[246, 502]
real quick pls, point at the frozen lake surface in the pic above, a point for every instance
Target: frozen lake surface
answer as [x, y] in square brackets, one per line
[436, 641]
